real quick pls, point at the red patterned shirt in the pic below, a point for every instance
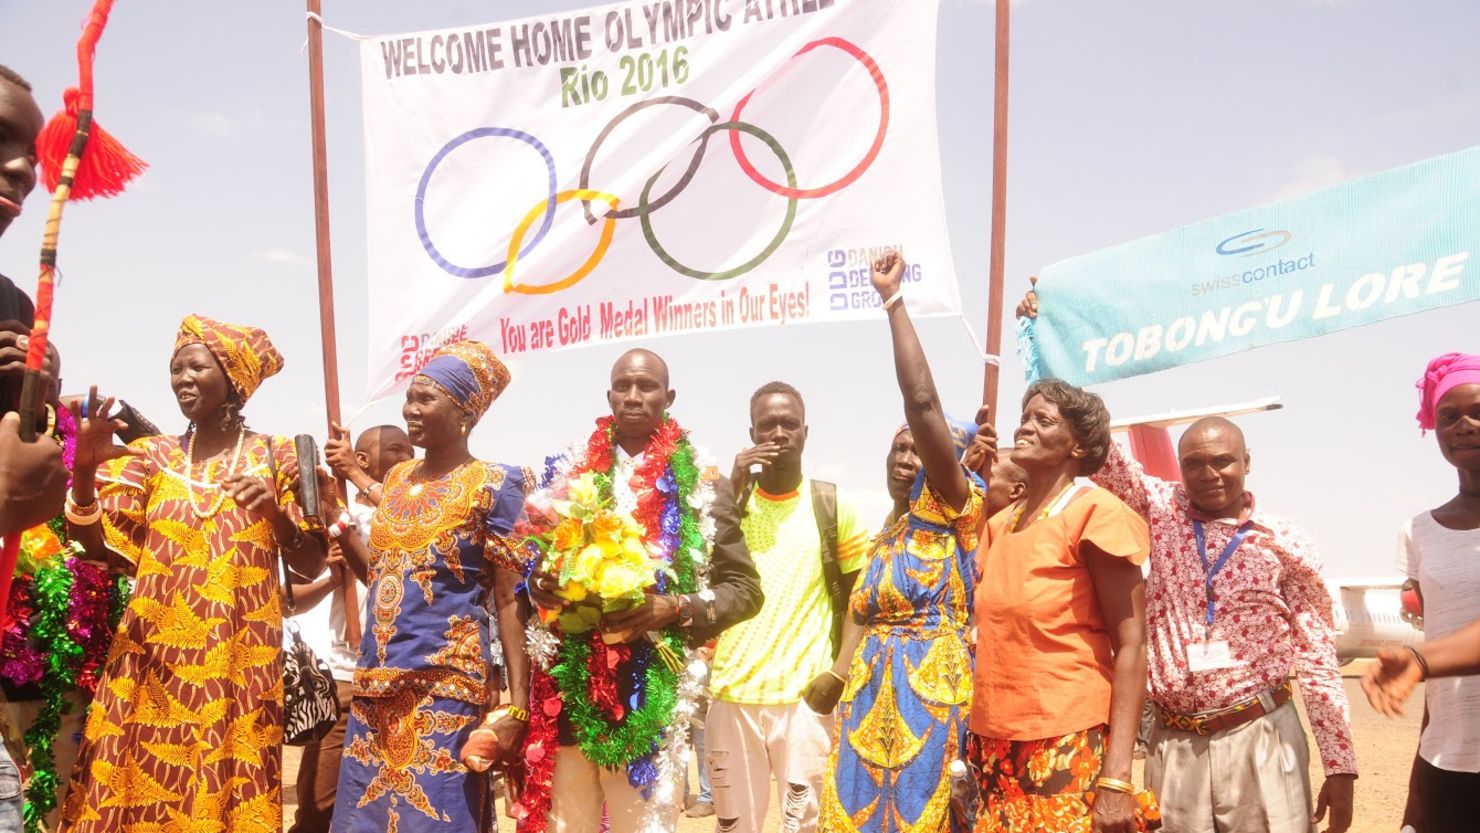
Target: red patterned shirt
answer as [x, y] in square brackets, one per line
[1271, 607]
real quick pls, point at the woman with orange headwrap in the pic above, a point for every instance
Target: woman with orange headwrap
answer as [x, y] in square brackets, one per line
[186, 730]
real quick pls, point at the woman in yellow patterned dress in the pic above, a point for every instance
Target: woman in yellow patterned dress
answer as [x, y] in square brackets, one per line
[185, 733]
[905, 657]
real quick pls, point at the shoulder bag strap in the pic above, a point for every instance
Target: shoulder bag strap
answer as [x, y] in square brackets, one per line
[825, 508]
[287, 573]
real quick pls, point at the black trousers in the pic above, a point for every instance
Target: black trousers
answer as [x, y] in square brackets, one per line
[1449, 801]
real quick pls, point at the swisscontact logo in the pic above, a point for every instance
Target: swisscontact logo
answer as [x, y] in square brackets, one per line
[1257, 241]
[1242, 272]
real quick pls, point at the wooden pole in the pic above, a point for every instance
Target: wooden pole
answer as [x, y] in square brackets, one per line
[326, 270]
[999, 209]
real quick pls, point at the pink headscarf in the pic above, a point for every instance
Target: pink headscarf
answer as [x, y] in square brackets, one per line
[1444, 373]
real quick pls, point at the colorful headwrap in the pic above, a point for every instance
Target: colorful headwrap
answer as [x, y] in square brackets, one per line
[469, 372]
[961, 433]
[246, 354]
[1444, 373]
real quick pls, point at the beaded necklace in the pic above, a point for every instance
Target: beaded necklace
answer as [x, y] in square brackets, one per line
[1047, 509]
[190, 474]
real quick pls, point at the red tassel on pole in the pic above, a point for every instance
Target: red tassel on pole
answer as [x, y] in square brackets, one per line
[104, 169]
[107, 165]
[79, 161]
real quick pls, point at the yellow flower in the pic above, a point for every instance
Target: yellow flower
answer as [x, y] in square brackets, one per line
[583, 489]
[635, 552]
[573, 591]
[588, 562]
[618, 581]
[569, 534]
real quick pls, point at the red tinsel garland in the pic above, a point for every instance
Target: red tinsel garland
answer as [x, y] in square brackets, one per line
[602, 668]
[541, 740]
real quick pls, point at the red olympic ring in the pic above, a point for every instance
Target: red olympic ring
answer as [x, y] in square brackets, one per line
[868, 158]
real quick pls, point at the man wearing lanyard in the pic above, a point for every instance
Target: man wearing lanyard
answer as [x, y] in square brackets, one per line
[1235, 606]
[1227, 752]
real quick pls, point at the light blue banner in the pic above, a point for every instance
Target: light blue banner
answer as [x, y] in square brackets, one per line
[1390, 244]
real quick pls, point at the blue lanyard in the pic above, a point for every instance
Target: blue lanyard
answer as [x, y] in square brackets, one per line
[1209, 571]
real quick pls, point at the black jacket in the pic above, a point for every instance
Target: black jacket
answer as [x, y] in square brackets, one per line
[732, 574]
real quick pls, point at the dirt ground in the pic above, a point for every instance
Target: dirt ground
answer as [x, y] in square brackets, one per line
[1384, 753]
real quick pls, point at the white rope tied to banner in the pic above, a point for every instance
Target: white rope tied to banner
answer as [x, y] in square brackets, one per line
[988, 359]
[327, 28]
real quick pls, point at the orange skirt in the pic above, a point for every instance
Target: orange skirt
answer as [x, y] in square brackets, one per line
[1044, 786]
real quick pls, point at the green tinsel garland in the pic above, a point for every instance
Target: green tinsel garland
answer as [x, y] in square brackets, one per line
[613, 746]
[122, 592]
[63, 655]
[49, 627]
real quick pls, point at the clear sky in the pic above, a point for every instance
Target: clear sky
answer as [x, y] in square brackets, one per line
[1127, 120]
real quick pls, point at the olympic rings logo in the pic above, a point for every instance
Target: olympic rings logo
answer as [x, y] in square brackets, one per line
[522, 242]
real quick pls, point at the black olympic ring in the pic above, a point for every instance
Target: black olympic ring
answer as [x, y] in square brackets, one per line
[683, 181]
[644, 208]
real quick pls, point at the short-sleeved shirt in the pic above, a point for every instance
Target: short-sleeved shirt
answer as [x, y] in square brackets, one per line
[1446, 564]
[1044, 659]
[769, 660]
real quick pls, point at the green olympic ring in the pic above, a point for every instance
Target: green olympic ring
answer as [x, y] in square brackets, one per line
[791, 208]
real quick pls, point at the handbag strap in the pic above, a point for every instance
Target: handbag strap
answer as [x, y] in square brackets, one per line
[282, 560]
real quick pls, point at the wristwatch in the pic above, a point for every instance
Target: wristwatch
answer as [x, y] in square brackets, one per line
[706, 598]
[685, 610]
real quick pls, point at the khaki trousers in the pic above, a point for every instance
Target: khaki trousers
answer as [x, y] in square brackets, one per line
[1253, 777]
[749, 747]
[581, 787]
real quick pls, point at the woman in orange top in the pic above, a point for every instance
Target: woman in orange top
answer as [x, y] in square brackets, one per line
[1060, 605]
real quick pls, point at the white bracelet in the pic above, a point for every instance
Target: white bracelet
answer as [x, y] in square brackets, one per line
[895, 298]
[339, 527]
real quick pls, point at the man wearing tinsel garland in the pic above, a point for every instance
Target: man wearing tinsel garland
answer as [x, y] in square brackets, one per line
[637, 558]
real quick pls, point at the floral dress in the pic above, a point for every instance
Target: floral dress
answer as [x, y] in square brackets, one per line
[903, 715]
[422, 684]
[186, 730]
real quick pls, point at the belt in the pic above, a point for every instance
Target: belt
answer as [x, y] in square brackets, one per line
[1235, 715]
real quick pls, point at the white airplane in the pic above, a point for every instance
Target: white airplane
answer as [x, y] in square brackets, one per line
[1371, 614]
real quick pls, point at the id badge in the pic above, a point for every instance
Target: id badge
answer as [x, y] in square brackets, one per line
[1209, 656]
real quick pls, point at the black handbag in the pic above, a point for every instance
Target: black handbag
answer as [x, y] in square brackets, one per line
[310, 695]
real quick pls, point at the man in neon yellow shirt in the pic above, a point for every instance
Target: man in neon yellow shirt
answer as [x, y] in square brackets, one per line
[808, 545]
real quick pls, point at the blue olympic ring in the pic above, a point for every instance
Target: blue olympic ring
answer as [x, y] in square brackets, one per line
[426, 177]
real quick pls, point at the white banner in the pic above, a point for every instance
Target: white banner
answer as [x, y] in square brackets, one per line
[646, 169]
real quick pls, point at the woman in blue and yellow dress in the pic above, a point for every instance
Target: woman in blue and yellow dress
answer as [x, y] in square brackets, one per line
[439, 544]
[905, 674]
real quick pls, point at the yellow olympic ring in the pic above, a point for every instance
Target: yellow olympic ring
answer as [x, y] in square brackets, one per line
[607, 230]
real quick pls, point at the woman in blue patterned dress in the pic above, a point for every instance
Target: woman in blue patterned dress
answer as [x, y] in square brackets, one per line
[439, 544]
[905, 674]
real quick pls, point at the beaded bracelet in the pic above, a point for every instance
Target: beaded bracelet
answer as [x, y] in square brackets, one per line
[82, 515]
[340, 526]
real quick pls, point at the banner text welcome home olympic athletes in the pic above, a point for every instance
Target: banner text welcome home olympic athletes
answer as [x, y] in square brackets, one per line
[574, 38]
